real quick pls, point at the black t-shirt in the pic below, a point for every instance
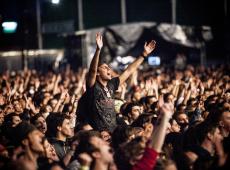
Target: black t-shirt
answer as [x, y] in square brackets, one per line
[101, 105]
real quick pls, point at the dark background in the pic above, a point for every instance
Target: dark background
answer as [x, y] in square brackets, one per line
[99, 13]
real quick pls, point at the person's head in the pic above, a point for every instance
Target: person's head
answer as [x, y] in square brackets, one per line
[91, 143]
[132, 111]
[192, 105]
[104, 72]
[207, 132]
[58, 125]
[182, 119]
[49, 151]
[220, 115]
[17, 106]
[53, 102]
[29, 137]
[181, 107]
[130, 153]
[104, 152]
[225, 122]
[46, 110]
[39, 122]
[122, 134]
[83, 126]
[174, 126]
[12, 119]
[105, 135]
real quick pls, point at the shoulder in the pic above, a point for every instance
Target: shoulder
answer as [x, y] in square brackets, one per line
[114, 82]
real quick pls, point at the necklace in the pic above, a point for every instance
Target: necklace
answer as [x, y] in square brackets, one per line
[107, 92]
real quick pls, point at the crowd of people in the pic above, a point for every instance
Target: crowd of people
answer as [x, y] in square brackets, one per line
[162, 118]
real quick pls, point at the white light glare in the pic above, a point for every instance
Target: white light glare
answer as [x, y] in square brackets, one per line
[55, 1]
[9, 25]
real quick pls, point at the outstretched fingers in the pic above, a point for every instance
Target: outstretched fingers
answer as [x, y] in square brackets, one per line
[152, 44]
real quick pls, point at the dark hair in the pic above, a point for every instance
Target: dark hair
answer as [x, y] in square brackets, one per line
[53, 121]
[8, 120]
[35, 118]
[121, 135]
[142, 119]
[203, 129]
[129, 107]
[79, 126]
[22, 130]
[127, 152]
[84, 145]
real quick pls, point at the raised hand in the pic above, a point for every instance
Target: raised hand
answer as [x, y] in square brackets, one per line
[167, 109]
[99, 41]
[149, 47]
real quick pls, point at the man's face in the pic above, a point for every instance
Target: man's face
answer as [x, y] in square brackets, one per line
[225, 121]
[104, 72]
[48, 149]
[136, 111]
[216, 136]
[104, 149]
[15, 121]
[35, 141]
[175, 127]
[17, 106]
[66, 128]
[182, 118]
[40, 123]
[53, 103]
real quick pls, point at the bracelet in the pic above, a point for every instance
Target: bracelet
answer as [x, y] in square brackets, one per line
[144, 54]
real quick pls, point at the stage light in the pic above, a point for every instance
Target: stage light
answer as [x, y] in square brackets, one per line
[55, 1]
[9, 27]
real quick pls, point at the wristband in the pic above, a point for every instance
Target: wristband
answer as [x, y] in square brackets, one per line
[144, 54]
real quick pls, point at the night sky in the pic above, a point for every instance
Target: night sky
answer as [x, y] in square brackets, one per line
[98, 13]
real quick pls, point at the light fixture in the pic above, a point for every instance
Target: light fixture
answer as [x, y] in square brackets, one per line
[55, 1]
[9, 27]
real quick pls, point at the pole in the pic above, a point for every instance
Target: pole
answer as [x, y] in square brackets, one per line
[123, 12]
[38, 17]
[173, 6]
[80, 15]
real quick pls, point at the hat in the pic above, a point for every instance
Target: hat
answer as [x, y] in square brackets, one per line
[22, 130]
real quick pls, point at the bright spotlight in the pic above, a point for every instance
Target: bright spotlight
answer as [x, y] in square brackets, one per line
[9, 27]
[55, 1]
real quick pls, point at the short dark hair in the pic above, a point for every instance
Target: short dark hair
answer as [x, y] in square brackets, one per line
[142, 119]
[129, 107]
[53, 121]
[22, 130]
[35, 118]
[84, 145]
[121, 135]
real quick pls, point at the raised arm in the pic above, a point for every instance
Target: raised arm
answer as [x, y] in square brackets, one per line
[91, 77]
[159, 133]
[148, 48]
